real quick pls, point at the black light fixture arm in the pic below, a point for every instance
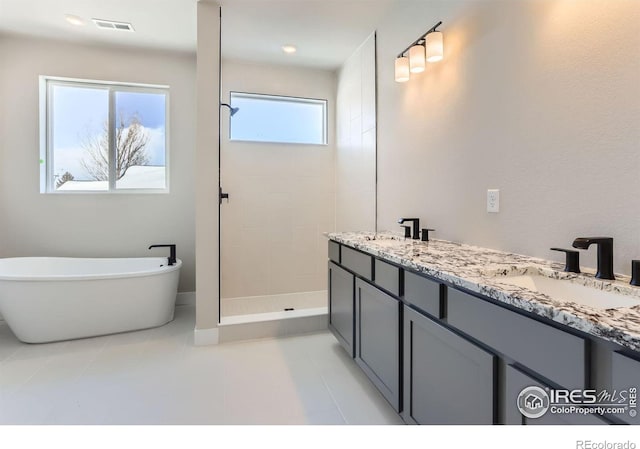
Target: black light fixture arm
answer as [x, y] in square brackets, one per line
[420, 39]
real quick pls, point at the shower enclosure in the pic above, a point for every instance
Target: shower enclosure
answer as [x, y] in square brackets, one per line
[297, 159]
[279, 182]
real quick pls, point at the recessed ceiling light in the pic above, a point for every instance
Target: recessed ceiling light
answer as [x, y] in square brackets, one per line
[74, 20]
[290, 49]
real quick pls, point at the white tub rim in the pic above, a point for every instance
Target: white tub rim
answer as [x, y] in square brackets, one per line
[89, 277]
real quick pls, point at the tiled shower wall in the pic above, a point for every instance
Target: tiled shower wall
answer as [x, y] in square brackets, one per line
[281, 195]
[356, 141]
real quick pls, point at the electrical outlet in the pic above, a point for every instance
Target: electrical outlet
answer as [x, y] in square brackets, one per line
[493, 201]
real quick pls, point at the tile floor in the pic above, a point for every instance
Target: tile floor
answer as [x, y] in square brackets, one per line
[158, 377]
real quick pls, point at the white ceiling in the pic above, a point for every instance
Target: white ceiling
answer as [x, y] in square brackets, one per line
[325, 31]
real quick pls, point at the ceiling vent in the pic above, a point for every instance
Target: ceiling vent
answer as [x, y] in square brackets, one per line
[111, 25]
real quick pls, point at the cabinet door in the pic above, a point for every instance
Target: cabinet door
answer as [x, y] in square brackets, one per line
[447, 379]
[516, 381]
[378, 339]
[341, 313]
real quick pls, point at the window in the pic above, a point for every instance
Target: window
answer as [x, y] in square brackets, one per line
[103, 137]
[269, 118]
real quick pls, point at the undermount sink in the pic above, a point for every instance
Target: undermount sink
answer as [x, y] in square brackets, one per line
[567, 291]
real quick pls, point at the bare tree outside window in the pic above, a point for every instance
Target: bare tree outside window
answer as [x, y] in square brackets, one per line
[131, 139]
[64, 178]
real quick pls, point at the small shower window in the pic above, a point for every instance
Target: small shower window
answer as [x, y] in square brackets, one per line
[278, 119]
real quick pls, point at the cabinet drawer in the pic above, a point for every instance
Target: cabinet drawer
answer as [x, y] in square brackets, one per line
[556, 355]
[625, 374]
[387, 277]
[356, 261]
[423, 293]
[334, 251]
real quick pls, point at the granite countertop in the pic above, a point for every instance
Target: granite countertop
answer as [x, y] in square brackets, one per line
[480, 269]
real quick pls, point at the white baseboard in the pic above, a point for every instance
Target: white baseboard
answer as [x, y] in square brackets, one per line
[204, 337]
[186, 299]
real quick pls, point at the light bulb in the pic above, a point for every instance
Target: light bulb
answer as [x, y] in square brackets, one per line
[435, 48]
[402, 69]
[416, 59]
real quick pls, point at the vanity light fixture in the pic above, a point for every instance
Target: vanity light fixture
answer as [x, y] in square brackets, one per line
[428, 47]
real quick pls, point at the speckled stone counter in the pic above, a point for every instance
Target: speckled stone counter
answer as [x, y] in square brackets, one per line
[480, 269]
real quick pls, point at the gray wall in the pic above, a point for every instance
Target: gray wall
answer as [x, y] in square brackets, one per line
[89, 225]
[540, 99]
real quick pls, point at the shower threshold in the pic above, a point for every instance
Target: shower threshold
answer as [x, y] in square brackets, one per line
[269, 316]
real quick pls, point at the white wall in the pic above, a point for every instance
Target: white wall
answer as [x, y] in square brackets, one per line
[281, 195]
[34, 224]
[206, 173]
[355, 164]
[540, 99]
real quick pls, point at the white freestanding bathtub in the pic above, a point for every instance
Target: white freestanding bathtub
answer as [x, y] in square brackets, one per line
[45, 299]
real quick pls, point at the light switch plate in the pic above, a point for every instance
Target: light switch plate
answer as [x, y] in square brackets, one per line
[493, 201]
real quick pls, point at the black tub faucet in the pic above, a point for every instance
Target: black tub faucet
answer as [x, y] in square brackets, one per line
[605, 254]
[416, 226]
[172, 252]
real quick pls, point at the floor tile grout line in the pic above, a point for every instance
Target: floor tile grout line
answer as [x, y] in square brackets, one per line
[38, 370]
[7, 358]
[333, 398]
[93, 359]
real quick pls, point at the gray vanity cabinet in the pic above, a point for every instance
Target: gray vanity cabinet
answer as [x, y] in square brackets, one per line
[378, 339]
[515, 381]
[447, 379]
[341, 306]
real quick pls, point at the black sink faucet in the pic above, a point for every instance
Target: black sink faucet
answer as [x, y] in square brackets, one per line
[172, 252]
[605, 254]
[416, 226]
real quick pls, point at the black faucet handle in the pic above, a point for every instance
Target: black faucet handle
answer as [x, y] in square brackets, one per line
[407, 232]
[425, 234]
[635, 273]
[572, 260]
[172, 252]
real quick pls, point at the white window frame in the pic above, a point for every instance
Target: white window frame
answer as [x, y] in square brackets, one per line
[289, 99]
[47, 179]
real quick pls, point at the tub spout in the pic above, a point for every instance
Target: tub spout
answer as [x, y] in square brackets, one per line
[172, 252]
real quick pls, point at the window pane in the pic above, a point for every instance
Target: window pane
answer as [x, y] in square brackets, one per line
[266, 118]
[79, 117]
[140, 140]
